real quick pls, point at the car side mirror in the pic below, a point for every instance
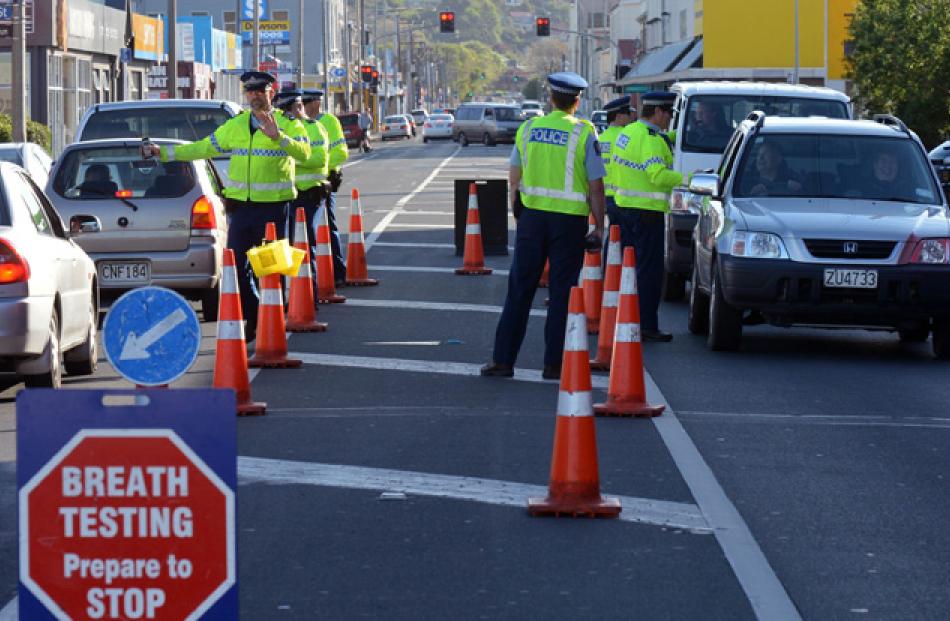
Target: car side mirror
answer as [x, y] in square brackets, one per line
[83, 224]
[704, 184]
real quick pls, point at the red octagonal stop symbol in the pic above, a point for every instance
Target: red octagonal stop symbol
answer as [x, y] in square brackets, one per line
[127, 524]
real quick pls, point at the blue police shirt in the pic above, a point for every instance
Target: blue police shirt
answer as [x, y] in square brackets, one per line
[592, 160]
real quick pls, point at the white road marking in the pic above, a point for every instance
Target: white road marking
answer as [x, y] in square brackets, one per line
[440, 367]
[435, 306]
[424, 212]
[9, 612]
[413, 245]
[832, 420]
[489, 491]
[766, 594]
[359, 161]
[394, 225]
[388, 218]
[425, 270]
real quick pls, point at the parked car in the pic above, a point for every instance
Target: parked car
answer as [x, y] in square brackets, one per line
[705, 115]
[599, 119]
[396, 126]
[162, 224]
[488, 123]
[439, 126]
[29, 156]
[940, 158]
[822, 222]
[352, 132]
[177, 119]
[49, 292]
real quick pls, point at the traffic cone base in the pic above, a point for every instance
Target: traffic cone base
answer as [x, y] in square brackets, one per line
[273, 362]
[473, 260]
[330, 298]
[473, 271]
[313, 326]
[638, 409]
[251, 408]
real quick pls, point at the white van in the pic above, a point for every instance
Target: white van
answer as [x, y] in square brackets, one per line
[705, 116]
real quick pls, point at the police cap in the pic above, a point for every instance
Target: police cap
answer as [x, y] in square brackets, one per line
[286, 97]
[567, 82]
[257, 80]
[619, 104]
[658, 98]
[310, 95]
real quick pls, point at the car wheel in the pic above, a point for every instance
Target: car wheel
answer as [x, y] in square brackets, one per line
[674, 287]
[463, 140]
[84, 360]
[425, 140]
[697, 320]
[487, 141]
[916, 335]
[725, 322]
[53, 377]
[209, 304]
[941, 340]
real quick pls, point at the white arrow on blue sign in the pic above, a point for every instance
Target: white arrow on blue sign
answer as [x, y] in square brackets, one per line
[338, 72]
[151, 336]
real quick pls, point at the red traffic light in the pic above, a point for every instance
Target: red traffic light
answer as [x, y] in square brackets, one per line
[543, 25]
[447, 21]
[366, 73]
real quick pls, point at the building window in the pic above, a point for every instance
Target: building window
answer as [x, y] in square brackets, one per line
[683, 28]
[200, 13]
[280, 16]
[229, 21]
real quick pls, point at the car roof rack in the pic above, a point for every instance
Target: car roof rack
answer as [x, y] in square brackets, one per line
[758, 119]
[891, 121]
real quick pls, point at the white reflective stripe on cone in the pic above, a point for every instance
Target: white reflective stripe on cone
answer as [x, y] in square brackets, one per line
[611, 299]
[229, 281]
[271, 297]
[230, 330]
[613, 254]
[590, 273]
[473, 202]
[473, 229]
[300, 232]
[304, 271]
[575, 335]
[627, 333]
[628, 281]
[574, 403]
[323, 250]
[356, 237]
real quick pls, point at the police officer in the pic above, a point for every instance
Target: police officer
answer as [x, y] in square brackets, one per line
[557, 174]
[338, 154]
[642, 159]
[310, 177]
[264, 145]
[619, 115]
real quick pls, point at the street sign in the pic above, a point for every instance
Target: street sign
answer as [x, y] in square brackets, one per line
[6, 18]
[151, 336]
[338, 72]
[247, 9]
[268, 37]
[125, 55]
[248, 25]
[636, 88]
[127, 511]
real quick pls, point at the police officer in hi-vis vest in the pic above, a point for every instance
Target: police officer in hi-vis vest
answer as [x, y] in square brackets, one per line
[264, 146]
[556, 181]
[642, 175]
[619, 115]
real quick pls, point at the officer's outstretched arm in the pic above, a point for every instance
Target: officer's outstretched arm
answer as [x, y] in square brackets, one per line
[661, 176]
[212, 145]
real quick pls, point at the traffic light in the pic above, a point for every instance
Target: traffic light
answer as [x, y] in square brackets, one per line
[374, 78]
[447, 21]
[544, 26]
[366, 73]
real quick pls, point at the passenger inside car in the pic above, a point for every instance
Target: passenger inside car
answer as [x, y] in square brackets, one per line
[770, 175]
[97, 182]
[176, 181]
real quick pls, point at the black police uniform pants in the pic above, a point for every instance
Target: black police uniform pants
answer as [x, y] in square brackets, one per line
[541, 235]
[339, 267]
[643, 229]
[310, 200]
[246, 224]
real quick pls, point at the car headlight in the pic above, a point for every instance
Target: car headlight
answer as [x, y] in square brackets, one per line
[753, 245]
[932, 251]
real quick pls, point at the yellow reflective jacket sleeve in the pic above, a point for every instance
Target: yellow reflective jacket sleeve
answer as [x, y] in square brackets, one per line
[658, 159]
[215, 144]
[339, 152]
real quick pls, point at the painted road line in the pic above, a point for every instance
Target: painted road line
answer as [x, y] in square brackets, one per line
[490, 491]
[766, 594]
[360, 161]
[388, 218]
[425, 212]
[394, 225]
[421, 244]
[435, 306]
[425, 270]
[424, 366]
[9, 612]
[832, 420]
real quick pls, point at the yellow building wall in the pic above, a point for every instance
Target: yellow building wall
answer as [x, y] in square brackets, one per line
[698, 21]
[839, 19]
[760, 33]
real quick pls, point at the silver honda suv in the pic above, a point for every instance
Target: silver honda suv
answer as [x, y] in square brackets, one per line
[822, 222]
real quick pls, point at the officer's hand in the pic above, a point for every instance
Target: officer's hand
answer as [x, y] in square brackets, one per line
[268, 124]
[150, 150]
[594, 240]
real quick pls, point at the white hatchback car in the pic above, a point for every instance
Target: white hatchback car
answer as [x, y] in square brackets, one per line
[438, 126]
[49, 292]
[396, 126]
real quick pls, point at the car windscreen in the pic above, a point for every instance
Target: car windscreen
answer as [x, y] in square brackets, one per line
[530, 106]
[711, 119]
[101, 172]
[8, 154]
[507, 114]
[835, 166]
[600, 117]
[178, 123]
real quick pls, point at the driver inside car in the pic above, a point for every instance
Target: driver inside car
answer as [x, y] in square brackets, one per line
[771, 174]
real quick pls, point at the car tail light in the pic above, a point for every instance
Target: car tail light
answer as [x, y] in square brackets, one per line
[123, 193]
[932, 251]
[385, 127]
[13, 267]
[429, 125]
[202, 217]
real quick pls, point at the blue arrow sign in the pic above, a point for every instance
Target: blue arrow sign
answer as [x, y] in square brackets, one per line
[151, 336]
[338, 72]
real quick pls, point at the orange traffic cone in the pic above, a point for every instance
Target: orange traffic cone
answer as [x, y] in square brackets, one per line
[301, 309]
[356, 272]
[326, 282]
[230, 358]
[592, 282]
[608, 308]
[545, 275]
[626, 390]
[270, 348]
[473, 263]
[574, 488]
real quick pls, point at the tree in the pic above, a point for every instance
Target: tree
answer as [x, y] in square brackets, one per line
[532, 90]
[901, 60]
[35, 132]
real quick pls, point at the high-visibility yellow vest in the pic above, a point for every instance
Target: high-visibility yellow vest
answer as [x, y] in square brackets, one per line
[554, 176]
[339, 153]
[314, 171]
[261, 169]
[641, 173]
[605, 142]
